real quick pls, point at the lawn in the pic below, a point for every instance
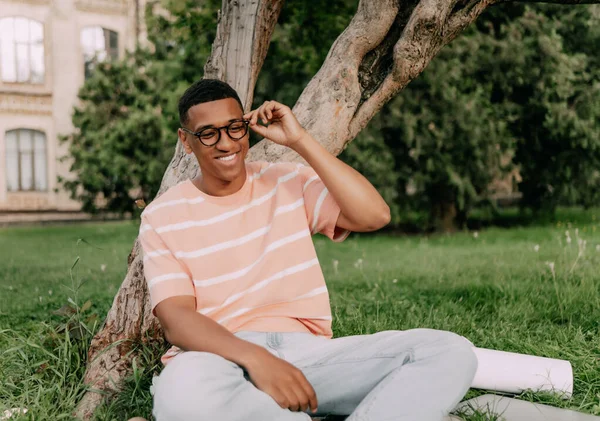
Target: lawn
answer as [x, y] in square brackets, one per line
[533, 289]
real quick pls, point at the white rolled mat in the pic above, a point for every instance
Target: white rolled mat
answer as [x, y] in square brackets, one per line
[513, 373]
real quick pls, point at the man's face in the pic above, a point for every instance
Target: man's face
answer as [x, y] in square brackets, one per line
[216, 114]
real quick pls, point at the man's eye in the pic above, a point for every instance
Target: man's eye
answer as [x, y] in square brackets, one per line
[208, 134]
[237, 127]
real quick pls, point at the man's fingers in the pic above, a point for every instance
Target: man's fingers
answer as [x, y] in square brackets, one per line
[262, 111]
[262, 115]
[302, 398]
[267, 112]
[283, 402]
[292, 399]
[258, 129]
[250, 117]
[310, 393]
[270, 108]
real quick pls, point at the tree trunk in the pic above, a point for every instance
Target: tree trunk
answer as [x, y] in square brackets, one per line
[386, 45]
[237, 56]
[443, 216]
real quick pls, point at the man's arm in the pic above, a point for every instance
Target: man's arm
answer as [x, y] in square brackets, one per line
[189, 330]
[362, 207]
[192, 331]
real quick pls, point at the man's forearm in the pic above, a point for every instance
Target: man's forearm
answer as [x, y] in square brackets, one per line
[196, 332]
[359, 201]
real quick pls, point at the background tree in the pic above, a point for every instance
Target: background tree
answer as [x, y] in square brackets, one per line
[123, 139]
[386, 45]
[557, 104]
[119, 149]
[439, 182]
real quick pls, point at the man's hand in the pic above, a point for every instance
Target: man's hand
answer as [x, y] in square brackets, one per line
[283, 127]
[282, 381]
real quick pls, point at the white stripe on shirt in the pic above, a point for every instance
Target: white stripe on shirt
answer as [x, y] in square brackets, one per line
[144, 228]
[156, 253]
[259, 174]
[310, 180]
[309, 294]
[227, 215]
[238, 274]
[288, 208]
[313, 293]
[263, 284]
[231, 243]
[318, 205]
[167, 277]
[153, 208]
[224, 245]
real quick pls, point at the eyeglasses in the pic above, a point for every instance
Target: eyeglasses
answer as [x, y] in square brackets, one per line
[211, 135]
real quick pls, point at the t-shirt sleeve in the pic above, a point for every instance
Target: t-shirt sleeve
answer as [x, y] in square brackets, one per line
[165, 275]
[321, 208]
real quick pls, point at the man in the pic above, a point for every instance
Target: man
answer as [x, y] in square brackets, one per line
[235, 282]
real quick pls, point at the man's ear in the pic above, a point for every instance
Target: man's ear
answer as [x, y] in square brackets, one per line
[186, 145]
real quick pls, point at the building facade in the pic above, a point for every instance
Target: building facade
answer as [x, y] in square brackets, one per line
[47, 49]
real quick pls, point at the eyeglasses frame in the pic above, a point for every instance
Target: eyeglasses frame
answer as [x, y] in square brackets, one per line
[218, 129]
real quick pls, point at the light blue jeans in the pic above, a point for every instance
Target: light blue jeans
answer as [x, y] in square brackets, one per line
[413, 375]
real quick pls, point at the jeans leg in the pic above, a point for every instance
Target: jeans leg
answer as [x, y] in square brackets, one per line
[198, 386]
[412, 375]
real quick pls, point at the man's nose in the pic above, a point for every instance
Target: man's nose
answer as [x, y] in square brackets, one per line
[225, 141]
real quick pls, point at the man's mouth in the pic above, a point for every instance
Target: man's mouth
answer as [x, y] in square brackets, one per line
[228, 158]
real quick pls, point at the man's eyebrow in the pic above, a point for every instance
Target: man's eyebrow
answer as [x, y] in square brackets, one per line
[212, 125]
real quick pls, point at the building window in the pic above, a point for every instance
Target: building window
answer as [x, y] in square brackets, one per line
[26, 160]
[21, 50]
[98, 44]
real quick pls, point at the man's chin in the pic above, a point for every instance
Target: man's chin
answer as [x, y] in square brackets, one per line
[230, 174]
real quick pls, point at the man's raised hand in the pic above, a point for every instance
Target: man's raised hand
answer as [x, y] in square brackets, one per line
[279, 124]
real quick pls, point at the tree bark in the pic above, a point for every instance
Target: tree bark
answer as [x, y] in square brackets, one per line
[386, 45]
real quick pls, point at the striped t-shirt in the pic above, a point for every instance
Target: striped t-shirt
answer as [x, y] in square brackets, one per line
[247, 258]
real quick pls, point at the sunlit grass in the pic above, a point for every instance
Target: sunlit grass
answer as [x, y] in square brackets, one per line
[528, 289]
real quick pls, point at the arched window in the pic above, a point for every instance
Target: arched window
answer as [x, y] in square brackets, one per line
[98, 43]
[21, 50]
[26, 160]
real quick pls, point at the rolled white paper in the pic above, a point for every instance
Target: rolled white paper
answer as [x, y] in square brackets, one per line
[513, 373]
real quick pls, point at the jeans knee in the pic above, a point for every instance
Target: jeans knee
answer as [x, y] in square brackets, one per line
[460, 352]
[454, 348]
[191, 386]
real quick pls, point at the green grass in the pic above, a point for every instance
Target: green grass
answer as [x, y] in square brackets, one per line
[493, 288]
[35, 263]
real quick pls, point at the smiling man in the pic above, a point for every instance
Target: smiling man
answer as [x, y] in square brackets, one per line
[235, 282]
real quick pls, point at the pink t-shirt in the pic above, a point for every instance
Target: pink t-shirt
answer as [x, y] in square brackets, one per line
[247, 258]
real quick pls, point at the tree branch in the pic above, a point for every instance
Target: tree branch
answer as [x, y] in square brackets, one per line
[419, 43]
[336, 81]
[566, 2]
[241, 43]
[465, 16]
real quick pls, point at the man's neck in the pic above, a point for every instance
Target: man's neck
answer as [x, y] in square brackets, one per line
[217, 187]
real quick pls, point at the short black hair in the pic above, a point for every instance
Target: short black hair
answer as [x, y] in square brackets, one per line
[205, 90]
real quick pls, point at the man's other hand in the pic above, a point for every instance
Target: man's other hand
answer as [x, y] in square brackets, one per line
[282, 381]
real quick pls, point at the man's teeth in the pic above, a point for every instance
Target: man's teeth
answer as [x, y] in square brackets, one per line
[227, 158]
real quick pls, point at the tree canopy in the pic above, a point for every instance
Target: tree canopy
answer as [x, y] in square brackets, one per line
[516, 94]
